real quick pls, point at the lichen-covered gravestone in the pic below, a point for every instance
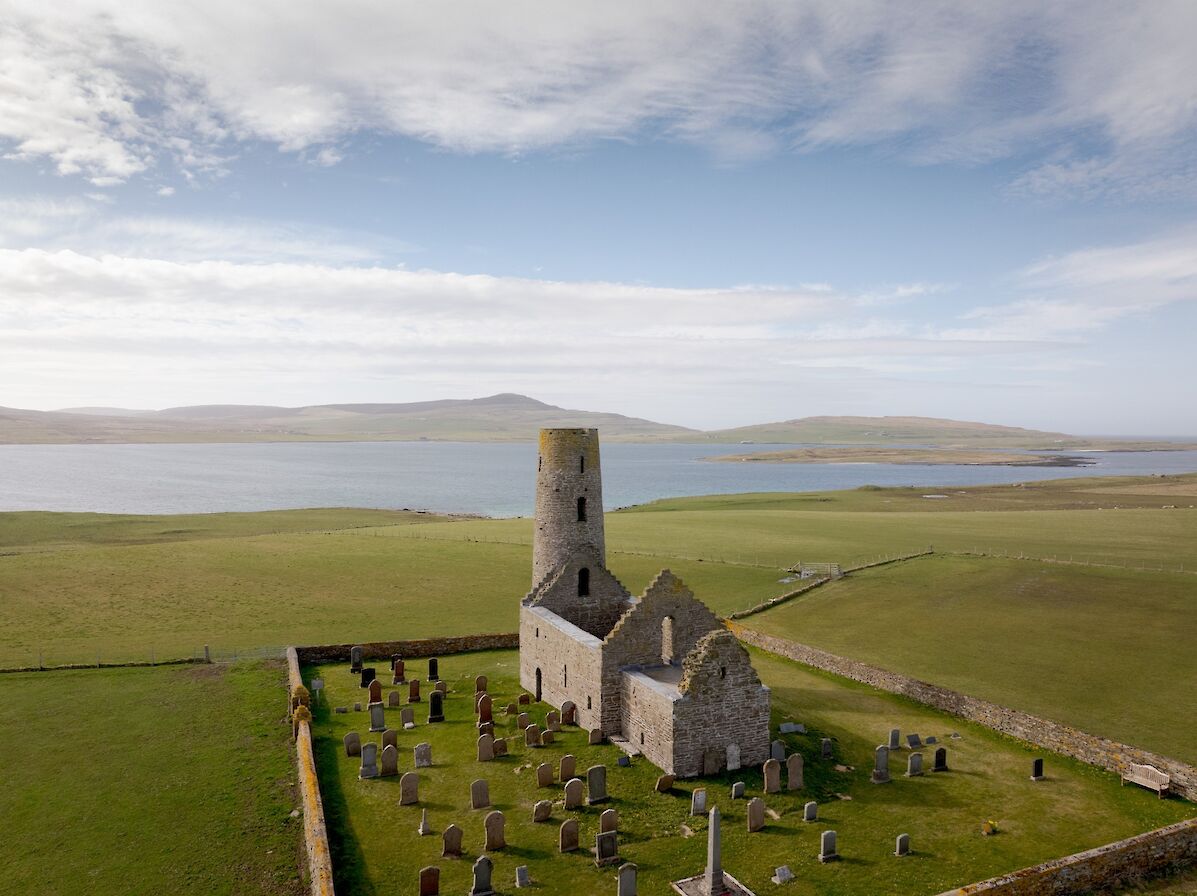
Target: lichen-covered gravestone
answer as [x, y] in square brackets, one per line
[626, 882]
[573, 793]
[596, 785]
[606, 848]
[777, 750]
[756, 814]
[914, 765]
[353, 744]
[542, 810]
[772, 770]
[390, 761]
[378, 719]
[495, 837]
[355, 660]
[451, 841]
[479, 794]
[407, 716]
[500, 746]
[369, 767]
[794, 772]
[569, 767]
[733, 757]
[532, 736]
[423, 755]
[698, 801]
[483, 870]
[393, 698]
[827, 848]
[567, 836]
[608, 821]
[810, 812]
[544, 775]
[486, 748]
[881, 765]
[409, 789]
[895, 739]
[390, 738]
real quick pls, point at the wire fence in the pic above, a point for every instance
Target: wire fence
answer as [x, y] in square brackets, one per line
[51, 658]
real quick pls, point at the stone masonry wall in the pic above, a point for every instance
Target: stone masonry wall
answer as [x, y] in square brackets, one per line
[1098, 751]
[647, 722]
[567, 469]
[556, 652]
[425, 647]
[315, 834]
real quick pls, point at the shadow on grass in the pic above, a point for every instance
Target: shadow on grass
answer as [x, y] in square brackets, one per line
[349, 864]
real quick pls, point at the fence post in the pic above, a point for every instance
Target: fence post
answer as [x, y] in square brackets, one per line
[207, 655]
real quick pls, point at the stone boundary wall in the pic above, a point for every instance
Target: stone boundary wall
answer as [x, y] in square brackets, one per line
[425, 647]
[1115, 864]
[315, 834]
[1088, 748]
[69, 667]
[888, 560]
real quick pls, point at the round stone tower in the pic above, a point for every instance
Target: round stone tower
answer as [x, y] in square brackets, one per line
[569, 501]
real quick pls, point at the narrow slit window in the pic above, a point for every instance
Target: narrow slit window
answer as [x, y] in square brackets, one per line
[581, 510]
[588, 706]
[583, 582]
[565, 676]
[582, 464]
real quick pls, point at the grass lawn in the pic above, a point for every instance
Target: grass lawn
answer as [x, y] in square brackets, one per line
[1035, 636]
[148, 781]
[377, 850]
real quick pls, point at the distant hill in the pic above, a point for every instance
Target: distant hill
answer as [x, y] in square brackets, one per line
[895, 430]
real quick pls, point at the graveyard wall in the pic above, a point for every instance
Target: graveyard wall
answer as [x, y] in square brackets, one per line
[1088, 748]
[315, 835]
[425, 647]
[1115, 864]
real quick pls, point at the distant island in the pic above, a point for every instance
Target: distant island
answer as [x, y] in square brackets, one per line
[935, 456]
[508, 417]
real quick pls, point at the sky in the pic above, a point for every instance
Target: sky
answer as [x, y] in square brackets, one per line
[704, 214]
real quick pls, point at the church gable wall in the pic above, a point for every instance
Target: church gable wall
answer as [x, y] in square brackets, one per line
[595, 612]
[569, 661]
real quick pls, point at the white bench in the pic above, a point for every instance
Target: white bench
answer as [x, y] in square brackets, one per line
[1148, 776]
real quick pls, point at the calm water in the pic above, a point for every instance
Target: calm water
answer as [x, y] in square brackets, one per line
[462, 477]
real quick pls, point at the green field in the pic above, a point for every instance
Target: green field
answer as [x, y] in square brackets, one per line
[377, 849]
[148, 781]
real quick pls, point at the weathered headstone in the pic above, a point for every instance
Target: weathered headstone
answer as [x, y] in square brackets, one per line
[596, 785]
[413, 691]
[895, 739]
[1037, 770]
[664, 784]
[522, 878]
[608, 821]
[430, 881]
[407, 716]
[479, 794]
[500, 746]
[436, 707]
[810, 812]
[525, 699]
[567, 836]
[433, 671]
[390, 761]
[390, 737]
[532, 736]
[698, 801]
[451, 841]
[733, 757]
[594, 736]
[480, 683]
[777, 750]
[826, 748]
[341, 709]
[756, 814]
[375, 691]
[624, 761]
[568, 768]
[928, 741]
[378, 717]
[484, 869]
[495, 838]
[569, 713]
[791, 728]
[573, 793]
[941, 760]
[552, 720]
[369, 767]
[772, 770]
[511, 709]
[522, 721]
[542, 810]
[355, 660]
[914, 765]
[794, 772]
[606, 848]
[827, 852]
[544, 775]
[441, 687]
[357, 707]
[485, 709]
[425, 828]
[394, 698]
[486, 748]
[409, 789]
[782, 875]
[737, 790]
[317, 686]
[546, 738]
[626, 882]
[881, 765]
[398, 676]
[368, 675]
[712, 761]
[353, 744]
[902, 845]
[423, 755]
[486, 728]
[913, 741]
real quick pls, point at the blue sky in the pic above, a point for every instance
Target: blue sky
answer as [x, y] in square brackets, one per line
[703, 214]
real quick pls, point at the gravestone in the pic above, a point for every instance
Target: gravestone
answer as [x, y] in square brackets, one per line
[606, 848]
[777, 750]
[902, 845]
[369, 767]
[794, 772]
[423, 755]
[436, 707]
[353, 744]
[500, 746]
[484, 868]
[407, 716]
[532, 736]
[511, 709]
[441, 687]
[573, 793]
[826, 747]
[355, 660]
[522, 721]
[914, 765]
[544, 775]
[495, 838]
[542, 810]
[375, 691]
[881, 765]
[791, 728]
[486, 728]
[425, 828]
[698, 801]
[664, 784]
[451, 841]
[594, 737]
[393, 698]
[608, 821]
[479, 794]
[712, 761]
[827, 851]
[485, 709]
[931, 740]
[782, 875]
[913, 741]
[378, 717]
[552, 720]
[413, 691]
[756, 814]
[737, 790]
[433, 672]
[733, 757]
[596, 785]
[810, 812]
[895, 739]
[317, 688]
[546, 737]
[430, 881]
[1037, 770]
[390, 738]
[368, 675]
[569, 713]
[341, 709]
[941, 760]
[486, 748]
[525, 699]
[357, 707]
[409, 789]
[567, 836]
[772, 770]
[568, 767]
[624, 761]
[626, 882]
[522, 878]
[480, 683]
[398, 675]
[390, 761]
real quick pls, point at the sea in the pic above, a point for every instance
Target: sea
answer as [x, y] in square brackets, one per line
[484, 478]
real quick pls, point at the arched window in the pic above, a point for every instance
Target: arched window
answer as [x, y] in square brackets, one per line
[581, 510]
[583, 582]
[667, 640]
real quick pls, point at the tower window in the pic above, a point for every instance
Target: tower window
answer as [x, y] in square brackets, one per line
[583, 582]
[642, 738]
[565, 676]
[582, 464]
[723, 671]
[667, 640]
[539, 462]
[581, 510]
[588, 706]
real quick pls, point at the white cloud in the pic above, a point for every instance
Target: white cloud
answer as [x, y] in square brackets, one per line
[1099, 92]
[165, 191]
